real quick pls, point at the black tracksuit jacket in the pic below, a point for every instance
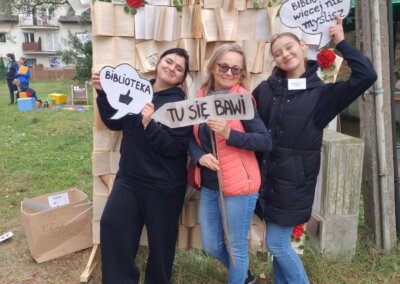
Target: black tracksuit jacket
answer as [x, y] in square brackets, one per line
[154, 157]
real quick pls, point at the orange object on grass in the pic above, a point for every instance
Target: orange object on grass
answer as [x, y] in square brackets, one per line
[23, 95]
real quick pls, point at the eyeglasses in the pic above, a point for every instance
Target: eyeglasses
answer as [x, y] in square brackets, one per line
[234, 70]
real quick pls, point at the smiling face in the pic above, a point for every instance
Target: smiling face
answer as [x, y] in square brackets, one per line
[226, 80]
[288, 54]
[171, 70]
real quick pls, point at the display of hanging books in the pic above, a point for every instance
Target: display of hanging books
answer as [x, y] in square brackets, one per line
[139, 39]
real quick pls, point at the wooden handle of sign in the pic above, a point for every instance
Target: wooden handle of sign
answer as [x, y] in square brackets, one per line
[222, 201]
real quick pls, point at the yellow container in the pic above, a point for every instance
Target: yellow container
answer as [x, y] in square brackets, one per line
[59, 98]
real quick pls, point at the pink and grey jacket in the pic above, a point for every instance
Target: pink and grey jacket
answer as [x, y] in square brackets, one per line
[239, 169]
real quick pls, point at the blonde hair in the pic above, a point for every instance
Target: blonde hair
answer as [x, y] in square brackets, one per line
[23, 58]
[208, 84]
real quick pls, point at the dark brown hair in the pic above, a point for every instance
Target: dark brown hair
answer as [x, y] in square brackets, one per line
[11, 56]
[181, 52]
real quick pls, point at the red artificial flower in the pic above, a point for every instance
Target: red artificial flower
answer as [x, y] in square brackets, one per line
[298, 231]
[134, 3]
[326, 58]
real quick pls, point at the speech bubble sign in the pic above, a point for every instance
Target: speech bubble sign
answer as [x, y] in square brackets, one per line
[314, 16]
[126, 91]
[194, 111]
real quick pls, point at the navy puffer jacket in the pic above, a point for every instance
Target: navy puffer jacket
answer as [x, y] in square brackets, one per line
[296, 119]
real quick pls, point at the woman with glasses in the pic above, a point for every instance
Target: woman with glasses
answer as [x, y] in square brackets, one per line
[235, 142]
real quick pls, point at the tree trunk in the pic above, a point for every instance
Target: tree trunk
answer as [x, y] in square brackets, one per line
[378, 194]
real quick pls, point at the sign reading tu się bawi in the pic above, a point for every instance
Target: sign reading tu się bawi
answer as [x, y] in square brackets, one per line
[194, 111]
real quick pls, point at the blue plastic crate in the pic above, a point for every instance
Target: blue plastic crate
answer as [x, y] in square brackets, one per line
[26, 104]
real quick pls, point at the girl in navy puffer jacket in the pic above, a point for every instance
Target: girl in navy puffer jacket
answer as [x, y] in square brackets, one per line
[295, 105]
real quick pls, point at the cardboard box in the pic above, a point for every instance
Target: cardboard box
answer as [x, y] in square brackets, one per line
[51, 231]
[26, 104]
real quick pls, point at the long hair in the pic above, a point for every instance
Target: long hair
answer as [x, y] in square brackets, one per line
[208, 84]
[183, 53]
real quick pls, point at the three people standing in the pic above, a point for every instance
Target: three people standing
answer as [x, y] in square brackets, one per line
[295, 112]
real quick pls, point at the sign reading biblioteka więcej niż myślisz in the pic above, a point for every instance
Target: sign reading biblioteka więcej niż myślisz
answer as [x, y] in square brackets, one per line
[314, 16]
[126, 91]
[194, 111]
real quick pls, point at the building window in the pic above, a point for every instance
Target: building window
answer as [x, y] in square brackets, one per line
[3, 37]
[52, 40]
[29, 37]
[55, 61]
[51, 13]
[31, 61]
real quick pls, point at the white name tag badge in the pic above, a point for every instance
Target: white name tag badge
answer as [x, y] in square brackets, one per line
[297, 84]
[58, 199]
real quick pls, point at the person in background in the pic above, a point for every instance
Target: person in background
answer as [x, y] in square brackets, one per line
[11, 71]
[236, 162]
[296, 106]
[150, 185]
[29, 91]
[23, 73]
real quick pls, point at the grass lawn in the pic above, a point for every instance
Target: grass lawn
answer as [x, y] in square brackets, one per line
[49, 150]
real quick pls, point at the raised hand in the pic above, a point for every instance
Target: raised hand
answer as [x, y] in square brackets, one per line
[336, 32]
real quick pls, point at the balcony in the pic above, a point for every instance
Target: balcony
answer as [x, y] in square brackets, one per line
[38, 23]
[33, 48]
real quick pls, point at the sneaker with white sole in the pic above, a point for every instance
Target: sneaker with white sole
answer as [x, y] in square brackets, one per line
[250, 278]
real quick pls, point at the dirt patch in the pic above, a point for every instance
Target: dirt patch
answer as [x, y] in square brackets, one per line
[18, 267]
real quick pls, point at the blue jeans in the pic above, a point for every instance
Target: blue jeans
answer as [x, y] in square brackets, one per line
[239, 214]
[286, 264]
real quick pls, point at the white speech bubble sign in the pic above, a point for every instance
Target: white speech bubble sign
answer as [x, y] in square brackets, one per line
[314, 16]
[194, 111]
[126, 91]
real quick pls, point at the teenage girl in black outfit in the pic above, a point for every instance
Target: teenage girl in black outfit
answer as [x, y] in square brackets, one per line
[150, 185]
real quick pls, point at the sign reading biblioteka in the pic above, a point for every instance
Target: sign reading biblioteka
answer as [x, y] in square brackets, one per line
[314, 16]
[126, 91]
[194, 111]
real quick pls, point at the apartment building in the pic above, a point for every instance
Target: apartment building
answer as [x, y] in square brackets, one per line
[39, 36]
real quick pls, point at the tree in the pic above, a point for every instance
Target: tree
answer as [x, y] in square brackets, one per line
[3, 68]
[79, 54]
[14, 7]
